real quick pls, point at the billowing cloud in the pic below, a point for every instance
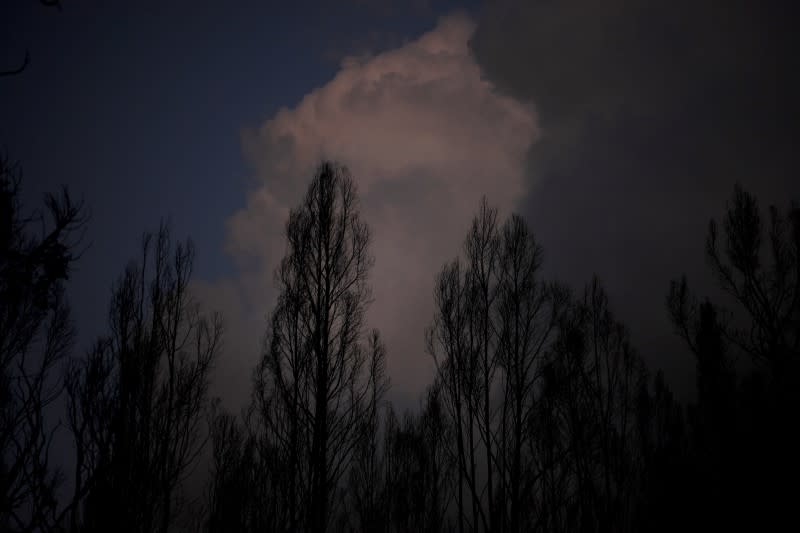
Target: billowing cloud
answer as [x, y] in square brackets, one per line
[425, 136]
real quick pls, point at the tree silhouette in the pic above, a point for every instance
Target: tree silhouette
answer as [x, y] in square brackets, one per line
[319, 377]
[593, 382]
[541, 416]
[759, 335]
[666, 492]
[137, 401]
[26, 60]
[404, 482]
[555, 424]
[37, 252]
[494, 322]
[529, 312]
[238, 496]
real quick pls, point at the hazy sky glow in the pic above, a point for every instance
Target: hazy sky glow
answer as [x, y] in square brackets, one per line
[616, 128]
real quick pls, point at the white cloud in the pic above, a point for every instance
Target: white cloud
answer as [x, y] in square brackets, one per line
[424, 137]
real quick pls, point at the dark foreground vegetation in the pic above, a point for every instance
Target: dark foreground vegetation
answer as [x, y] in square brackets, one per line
[541, 415]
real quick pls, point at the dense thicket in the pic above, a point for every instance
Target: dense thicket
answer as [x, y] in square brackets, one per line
[541, 415]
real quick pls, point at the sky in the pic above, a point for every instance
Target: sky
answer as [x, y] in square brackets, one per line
[616, 128]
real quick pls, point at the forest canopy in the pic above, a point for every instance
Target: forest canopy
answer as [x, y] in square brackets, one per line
[541, 415]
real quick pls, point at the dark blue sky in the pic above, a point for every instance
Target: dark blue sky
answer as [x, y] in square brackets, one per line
[138, 108]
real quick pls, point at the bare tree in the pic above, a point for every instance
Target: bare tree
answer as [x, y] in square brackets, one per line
[419, 468]
[667, 476]
[36, 254]
[540, 388]
[319, 377]
[137, 402]
[494, 322]
[447, 341]
[241, 490]
[26, 60]
[367, 499]
[404, 480]
[596, 378]
[529, 312]
[767, 292]
[748, 363]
